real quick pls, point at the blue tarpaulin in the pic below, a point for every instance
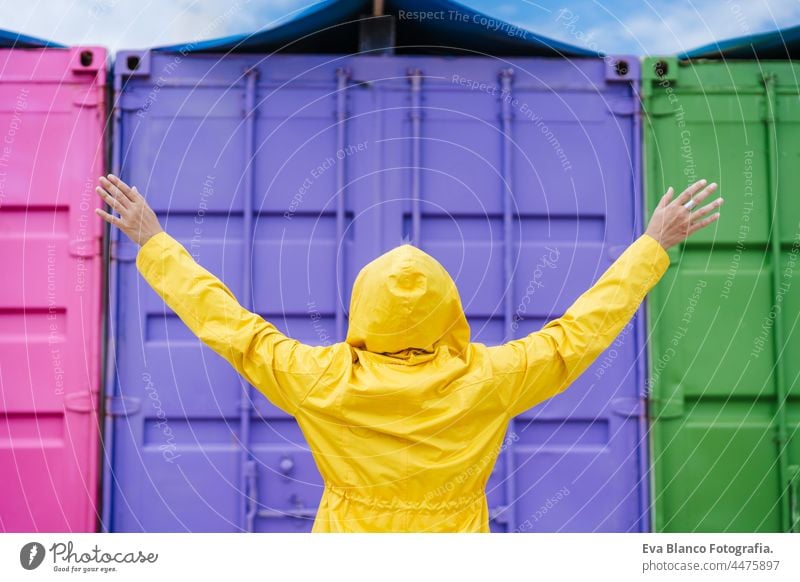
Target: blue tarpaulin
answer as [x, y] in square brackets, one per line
[422, 26]
[778, 44]
[10, 39]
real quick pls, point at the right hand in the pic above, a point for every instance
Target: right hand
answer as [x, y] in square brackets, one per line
[672, 222]
[136, 219]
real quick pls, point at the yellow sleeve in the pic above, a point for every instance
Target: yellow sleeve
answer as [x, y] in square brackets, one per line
[281, 368]
[545, 363]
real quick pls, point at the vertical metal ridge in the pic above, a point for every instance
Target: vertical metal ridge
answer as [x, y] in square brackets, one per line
[506, 81]
[640, 330]
[778, 336]
[110, 379]
[648, 145]
[415, 77]
[248, 502]
[342, 79]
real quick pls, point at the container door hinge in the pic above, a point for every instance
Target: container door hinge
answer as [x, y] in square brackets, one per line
[87, 98]
[663, 409]
[122, 405]
[628, 407]
[86, 247]
[622, 106]
[80, 401]
[498, 514]
[123, 252]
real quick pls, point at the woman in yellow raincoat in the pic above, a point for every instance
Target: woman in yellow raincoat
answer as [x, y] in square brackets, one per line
[405, 418]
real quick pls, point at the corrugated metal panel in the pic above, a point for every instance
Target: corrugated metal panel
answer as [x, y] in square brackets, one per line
[725, 315]
[519, 177]
[52, 115]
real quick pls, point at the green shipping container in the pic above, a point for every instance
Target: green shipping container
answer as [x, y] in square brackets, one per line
[725, 345]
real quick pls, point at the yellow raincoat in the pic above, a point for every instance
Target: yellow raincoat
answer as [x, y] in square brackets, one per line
[405, 418]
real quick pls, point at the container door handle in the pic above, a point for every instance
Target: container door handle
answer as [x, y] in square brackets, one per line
[794, 498]
[251, 494]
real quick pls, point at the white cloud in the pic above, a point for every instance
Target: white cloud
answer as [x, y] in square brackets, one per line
[686, 25]
[660, 26]
[121, 24]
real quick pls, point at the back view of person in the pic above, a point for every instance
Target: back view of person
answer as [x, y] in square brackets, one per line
[406, 417]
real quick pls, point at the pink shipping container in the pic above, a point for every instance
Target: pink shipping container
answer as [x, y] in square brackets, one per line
[52, 119]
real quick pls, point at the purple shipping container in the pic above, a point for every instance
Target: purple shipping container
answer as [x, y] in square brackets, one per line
[284, 176]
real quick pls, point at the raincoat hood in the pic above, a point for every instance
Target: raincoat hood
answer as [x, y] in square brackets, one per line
[406, 301]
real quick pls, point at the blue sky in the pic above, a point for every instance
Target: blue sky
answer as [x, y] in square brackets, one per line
[641, 27]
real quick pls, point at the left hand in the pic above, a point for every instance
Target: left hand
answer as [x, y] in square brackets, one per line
[136, 219]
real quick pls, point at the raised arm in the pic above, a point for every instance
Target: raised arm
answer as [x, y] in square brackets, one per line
[283, 369]
[545, 363]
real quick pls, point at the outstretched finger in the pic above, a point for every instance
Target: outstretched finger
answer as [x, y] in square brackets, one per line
[114, 192]
[109, 218]
[689, 192]
[703, 223]
[123, 187]
[135, 193]
[705, 193]
[701, 212]
[112, 201]
[666, 197]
